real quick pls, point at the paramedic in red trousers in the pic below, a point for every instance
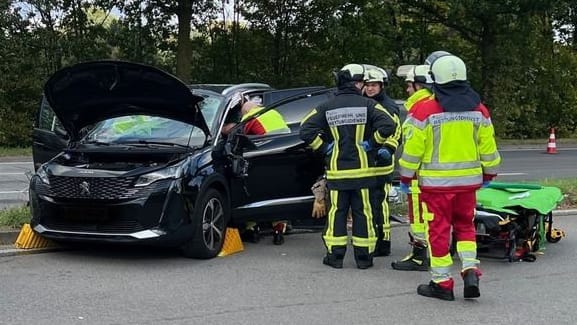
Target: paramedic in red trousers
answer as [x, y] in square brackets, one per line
[349, 131]
[419, 85]
[269, 122]
[376, 79]
[450, 142]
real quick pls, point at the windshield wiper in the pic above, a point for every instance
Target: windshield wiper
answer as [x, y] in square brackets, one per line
[146, 142]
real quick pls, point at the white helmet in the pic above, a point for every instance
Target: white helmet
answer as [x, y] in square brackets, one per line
[419, 74]
[448, 68]
[376, 74]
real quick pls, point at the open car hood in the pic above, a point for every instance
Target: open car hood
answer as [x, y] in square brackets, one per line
[86, 93]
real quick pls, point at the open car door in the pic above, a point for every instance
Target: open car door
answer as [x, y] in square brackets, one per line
[48, 136]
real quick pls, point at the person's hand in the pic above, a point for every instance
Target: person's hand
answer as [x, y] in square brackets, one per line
[319, 209]
[385, 155]
[366, 146]
[486, 184]
[405, 188]
[329, 148]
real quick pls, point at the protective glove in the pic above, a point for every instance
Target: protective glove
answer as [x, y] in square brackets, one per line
[405, 188]
[329, 149]
[485, 184]
[319, 209]
[366, 146]
[385, 156]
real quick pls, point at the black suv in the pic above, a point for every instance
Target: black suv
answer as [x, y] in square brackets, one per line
[127, 153]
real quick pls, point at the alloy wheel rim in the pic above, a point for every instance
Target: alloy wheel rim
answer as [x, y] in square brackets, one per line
[212, 225]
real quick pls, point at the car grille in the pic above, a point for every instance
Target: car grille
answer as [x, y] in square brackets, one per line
[108, 188]
[117, 225]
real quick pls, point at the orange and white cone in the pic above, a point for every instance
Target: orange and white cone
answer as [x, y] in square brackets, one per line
[551, 145]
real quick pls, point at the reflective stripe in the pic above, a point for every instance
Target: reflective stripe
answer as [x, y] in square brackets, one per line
[385, 209]
[335, 154]
[448, 181]
[331, 241]
[359, 135]
[467, 251]
[416, 123]
[491, 171]
[330, 227]
[451, 165]
[358, 172]
[311, 113]
[416, 97]
[490, 157]
[371, 240]
[406, 172]
[317, 142]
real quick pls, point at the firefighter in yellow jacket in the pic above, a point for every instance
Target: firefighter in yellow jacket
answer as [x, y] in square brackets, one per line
[449, 141]
[349, 130]
[419, 85]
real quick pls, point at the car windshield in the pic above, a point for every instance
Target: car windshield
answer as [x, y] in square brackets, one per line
[153, 129]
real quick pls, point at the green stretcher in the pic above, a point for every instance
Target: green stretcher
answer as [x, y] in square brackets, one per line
[517, 217]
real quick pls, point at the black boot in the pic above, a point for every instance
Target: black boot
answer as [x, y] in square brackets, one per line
[333, 261]
[251, 235]
[383, 248]
[277, 238]
[471, 284]
[364, 263]
[434, 290]
[416, 261]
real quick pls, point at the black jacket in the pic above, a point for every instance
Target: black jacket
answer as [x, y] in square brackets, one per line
[347, 120]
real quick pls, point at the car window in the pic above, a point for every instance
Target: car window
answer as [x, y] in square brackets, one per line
[46, 118]
[209, 107]
[294, 111]
[144, 128]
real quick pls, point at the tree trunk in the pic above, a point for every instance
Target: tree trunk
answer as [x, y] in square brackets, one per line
[184, 47]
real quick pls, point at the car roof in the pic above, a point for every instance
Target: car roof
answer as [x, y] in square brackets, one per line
[228, 89]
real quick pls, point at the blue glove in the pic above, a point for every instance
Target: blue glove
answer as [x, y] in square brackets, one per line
[485, 184]
[329, 148]
[405, 188]
[384, 154]
[366, 146]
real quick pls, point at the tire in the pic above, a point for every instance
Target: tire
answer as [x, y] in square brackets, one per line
[551, 239]
[209, 220]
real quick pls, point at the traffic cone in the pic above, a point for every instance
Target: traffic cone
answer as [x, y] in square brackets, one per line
[232, 243]
[551, 145]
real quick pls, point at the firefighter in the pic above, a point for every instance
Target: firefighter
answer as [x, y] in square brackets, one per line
[349, 130]
[376, 79]
[450, 142]
[269, 122]
[419, 85]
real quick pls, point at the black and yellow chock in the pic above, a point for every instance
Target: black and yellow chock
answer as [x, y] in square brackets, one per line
[28, 239]
[232, 243]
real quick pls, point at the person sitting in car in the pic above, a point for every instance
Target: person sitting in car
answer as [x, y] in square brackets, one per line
[269, 122]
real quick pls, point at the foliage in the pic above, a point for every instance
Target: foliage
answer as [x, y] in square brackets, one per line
[14, 218]
[521, 54]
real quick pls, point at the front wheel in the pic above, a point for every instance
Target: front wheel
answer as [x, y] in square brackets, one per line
[209, 220]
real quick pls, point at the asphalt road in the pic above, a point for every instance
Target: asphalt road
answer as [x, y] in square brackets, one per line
[269, 284]
[518, 165]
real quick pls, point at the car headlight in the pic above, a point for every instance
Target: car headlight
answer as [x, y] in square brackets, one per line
[41, 173]
[173, 172]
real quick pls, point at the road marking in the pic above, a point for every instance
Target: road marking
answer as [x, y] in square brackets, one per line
[511, 174]
[15, 163]
[536, 149]
[13, 192]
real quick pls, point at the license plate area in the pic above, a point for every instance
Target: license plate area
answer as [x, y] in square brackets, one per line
[85, 214]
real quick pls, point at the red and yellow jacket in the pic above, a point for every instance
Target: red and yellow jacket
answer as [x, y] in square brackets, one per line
[451, 151]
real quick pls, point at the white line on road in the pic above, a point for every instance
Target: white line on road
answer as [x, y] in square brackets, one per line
[511, 174]
[15, 163]
[13, 192]
[535, 149]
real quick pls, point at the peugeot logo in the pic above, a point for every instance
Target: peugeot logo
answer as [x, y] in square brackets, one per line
[84, 188]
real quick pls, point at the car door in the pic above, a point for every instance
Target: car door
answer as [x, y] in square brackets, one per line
[281, 170]
[48, 136]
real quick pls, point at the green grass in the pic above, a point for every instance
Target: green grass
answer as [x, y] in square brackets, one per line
[11, 152]
[14, 218]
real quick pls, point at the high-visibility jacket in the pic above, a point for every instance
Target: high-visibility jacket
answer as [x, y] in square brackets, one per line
[416, 97]
[347, 120]
[452, 151]
[270, 121]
